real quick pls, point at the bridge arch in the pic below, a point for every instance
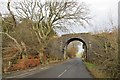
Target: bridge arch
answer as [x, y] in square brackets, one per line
[75, 39]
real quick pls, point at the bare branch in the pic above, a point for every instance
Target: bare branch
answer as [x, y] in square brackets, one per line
[11, 13]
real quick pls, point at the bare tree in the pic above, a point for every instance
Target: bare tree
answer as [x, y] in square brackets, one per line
[48, 16]
[14, 24]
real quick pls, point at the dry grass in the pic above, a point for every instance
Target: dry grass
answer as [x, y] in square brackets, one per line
[0, 66]
[95, 71]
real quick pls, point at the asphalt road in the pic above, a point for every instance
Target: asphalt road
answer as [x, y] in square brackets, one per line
[73, 68]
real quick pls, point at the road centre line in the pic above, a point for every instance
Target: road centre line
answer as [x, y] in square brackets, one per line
[62, 73]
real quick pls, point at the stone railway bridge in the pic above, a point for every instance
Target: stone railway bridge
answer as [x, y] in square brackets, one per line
[58, 46]
[82, 37]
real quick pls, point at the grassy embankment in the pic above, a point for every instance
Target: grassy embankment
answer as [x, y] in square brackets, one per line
[94, 70]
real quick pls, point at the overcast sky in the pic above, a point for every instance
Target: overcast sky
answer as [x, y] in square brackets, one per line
[101, 10]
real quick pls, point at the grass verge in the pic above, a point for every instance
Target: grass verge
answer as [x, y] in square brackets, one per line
[94, 70]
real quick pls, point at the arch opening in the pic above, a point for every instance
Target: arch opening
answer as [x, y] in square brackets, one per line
[84, 46]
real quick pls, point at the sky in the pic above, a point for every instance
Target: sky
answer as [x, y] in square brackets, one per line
[100, 10]
[80, 48]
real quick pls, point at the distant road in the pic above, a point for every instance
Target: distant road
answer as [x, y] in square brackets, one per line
[73, 68]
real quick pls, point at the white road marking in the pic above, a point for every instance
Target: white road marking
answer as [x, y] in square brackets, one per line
[20, 75]
[70, 66]
[62, 73]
